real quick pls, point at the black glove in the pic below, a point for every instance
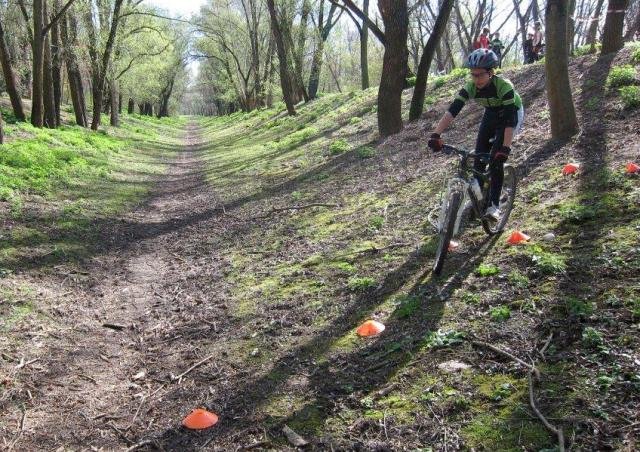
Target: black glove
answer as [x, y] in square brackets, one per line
[500, 155]
[435, 142]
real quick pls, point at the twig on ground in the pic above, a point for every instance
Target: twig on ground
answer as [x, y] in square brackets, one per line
[373, 249]
[114, 326]
[546, 345]
[19, 432]
[306, 206]
[146, 442]
[254, 445]
[531, 367]
[25, 364]
[555, 430]
[135, 416]
[199, 363]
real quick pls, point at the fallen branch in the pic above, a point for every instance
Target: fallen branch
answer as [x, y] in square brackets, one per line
[555, 430]
[373, 249]
[306, 206]
[199, 363]
[531, 367]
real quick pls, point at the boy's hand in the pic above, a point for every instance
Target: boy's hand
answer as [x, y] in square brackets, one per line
[501, 155]
[435, 142]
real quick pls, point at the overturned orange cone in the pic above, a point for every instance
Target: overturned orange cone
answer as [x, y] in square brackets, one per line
[453, 245]
[570, 168]
[517, 237]
[633, 168]
[199, 419]
[370, 328]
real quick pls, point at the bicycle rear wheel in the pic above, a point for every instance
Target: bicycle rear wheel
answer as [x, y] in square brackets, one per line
[507, 198]
[446, 232]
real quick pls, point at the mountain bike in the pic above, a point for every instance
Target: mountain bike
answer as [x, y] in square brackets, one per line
[460, 201]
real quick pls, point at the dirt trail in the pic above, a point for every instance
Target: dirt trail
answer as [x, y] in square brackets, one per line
[93, 386]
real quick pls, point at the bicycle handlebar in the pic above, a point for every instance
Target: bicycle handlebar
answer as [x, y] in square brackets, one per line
[448, 149]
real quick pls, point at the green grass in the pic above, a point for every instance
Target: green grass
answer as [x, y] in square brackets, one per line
[630, 96]
[60, 180]
[621, 76]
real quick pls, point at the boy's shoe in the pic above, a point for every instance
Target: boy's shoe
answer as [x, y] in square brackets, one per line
[493, 213]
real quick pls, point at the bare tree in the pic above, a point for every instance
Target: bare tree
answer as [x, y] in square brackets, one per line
[417, 102]
[9, 78]
[593, 26]
[285, 78]
[563, 116]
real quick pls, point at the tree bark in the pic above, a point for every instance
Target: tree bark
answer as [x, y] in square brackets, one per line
[417, 102]
[73, 73]
[10, 79]
[394, 65]
[285, 79]
[324, 28]
[114, 119]
[56, 65]
[131, 108]
[47, 79]
[563, 116]
[634, 27]
[571, 25]
[612, 39]
[364, 48]
[593, 26]
[37, 103]
[100, 69]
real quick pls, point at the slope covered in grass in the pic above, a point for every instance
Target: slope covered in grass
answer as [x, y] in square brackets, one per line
[244, 260]
[307, 275]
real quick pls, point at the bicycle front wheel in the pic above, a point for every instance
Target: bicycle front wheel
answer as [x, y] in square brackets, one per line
[507, 198]
[446, 232]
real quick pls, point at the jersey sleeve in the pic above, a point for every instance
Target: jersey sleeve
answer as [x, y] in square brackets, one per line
[463, 96]
[507, 95]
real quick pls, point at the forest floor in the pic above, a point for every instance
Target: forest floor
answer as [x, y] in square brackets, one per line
[239, 254]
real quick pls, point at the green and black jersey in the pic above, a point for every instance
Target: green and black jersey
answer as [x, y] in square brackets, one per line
[499, 94]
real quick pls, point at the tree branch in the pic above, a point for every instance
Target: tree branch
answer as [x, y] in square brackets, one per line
[57, 17]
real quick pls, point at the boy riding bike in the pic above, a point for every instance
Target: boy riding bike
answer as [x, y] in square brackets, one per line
[502, 119]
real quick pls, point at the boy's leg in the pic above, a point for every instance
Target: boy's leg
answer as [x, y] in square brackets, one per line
[486, 132]
[497, 171]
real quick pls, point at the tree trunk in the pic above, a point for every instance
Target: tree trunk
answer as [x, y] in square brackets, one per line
[364, 48]
[316, 66]
[571, 25]
[1, 131]
[37, 103]
[131, 108]
[10, 79]
[394, 66]
[73, 73]
[100, 76]
[612, 39]
[417, 102]
[56, 65]
[563, 116]
[285, 80]
[47, 79]
[114, 119]
[634, 27]
[593, 26]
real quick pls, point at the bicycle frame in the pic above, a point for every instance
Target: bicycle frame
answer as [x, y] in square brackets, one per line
[461, 183]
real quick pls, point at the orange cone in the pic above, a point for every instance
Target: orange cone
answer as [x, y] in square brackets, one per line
[517, 237]
[453, 245]
[570, 168]
[370, 328]
[633, 168]
[199, 419]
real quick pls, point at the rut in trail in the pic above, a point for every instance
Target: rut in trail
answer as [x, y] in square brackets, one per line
[98, 386]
